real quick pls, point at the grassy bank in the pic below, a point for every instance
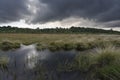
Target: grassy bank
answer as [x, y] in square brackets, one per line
[56, 42]
[103, 64]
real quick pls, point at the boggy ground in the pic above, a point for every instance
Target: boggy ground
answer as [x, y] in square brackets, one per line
[56, 42]
[103, 63]
[97, 64]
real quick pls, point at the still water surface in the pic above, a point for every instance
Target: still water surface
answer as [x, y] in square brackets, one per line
[24, 61]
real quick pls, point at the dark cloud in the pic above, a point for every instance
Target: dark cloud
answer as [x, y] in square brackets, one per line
[12, 10]
[105, 12]
[98, 10]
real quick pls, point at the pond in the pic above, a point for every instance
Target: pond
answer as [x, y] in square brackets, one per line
[26, 63]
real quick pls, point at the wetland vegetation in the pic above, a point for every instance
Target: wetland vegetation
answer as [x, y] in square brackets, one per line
[45, 56]
[56, 42]
[27, 63]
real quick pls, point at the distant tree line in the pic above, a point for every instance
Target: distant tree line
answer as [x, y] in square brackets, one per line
[72, 30]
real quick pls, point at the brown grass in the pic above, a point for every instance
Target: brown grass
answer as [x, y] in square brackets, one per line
[45, 40]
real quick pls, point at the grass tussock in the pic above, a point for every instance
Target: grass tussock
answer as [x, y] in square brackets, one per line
[8, 45]
[103, 64]
[107, 62]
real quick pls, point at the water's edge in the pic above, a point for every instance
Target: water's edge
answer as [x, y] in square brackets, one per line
[26, 63]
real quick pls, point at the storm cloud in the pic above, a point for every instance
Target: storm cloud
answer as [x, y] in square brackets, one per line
[102, 12]
[12, 10]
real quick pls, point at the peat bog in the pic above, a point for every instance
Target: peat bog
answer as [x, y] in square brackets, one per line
[59, 57]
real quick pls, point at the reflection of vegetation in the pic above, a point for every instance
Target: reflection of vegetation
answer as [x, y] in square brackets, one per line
[66, 66]
[102, 64]
[3, 62]
[40, 72]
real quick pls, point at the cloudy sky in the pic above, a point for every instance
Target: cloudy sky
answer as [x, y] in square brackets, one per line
[57, 13]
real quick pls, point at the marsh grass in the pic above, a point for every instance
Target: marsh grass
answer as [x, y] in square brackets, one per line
[102, 64]
[8, 45]
[56, 42]
[105, 62]
[109, 72]
[40, 47]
